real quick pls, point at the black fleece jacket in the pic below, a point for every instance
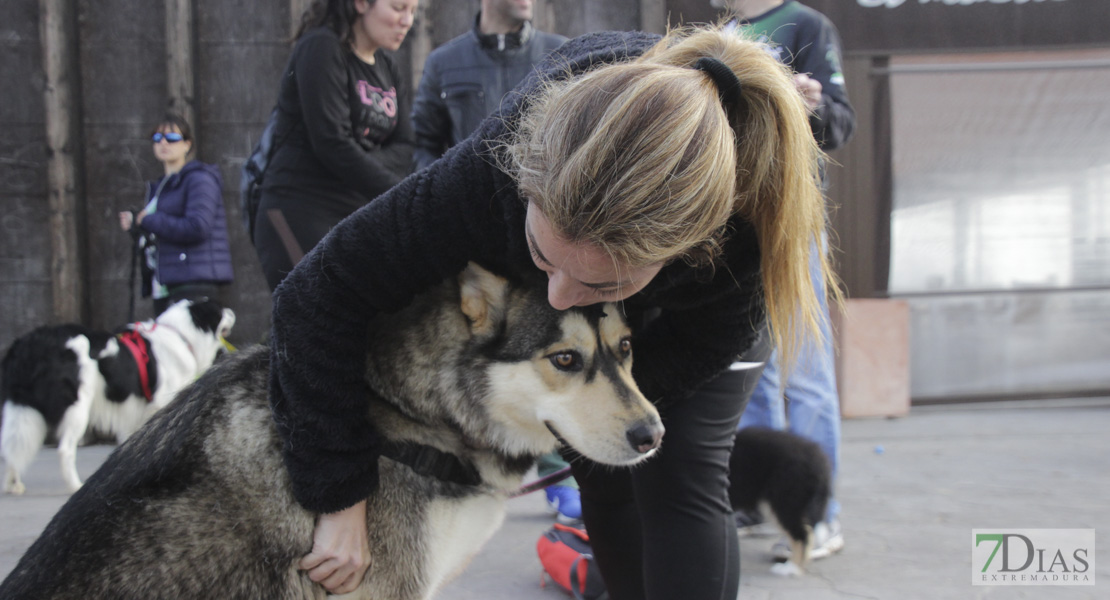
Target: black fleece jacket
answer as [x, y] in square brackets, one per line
[423, 231]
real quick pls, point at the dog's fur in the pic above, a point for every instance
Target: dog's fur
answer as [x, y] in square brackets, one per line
[68, 379]
[198, 504]
[788, 476]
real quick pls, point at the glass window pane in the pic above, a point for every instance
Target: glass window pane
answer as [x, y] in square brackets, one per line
[1000, 229]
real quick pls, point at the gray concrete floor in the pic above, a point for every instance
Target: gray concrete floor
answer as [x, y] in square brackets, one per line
[912, 490]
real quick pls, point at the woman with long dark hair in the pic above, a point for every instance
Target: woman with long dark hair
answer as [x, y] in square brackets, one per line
[343, 134]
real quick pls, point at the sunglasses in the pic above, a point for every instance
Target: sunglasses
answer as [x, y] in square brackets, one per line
[171, 137]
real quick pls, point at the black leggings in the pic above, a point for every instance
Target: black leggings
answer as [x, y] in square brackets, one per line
[664, 530]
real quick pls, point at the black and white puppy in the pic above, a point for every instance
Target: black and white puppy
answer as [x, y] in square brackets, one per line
[69, 379]
[786, 475]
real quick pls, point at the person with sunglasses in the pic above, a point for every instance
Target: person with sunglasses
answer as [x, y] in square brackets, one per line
[181, 230]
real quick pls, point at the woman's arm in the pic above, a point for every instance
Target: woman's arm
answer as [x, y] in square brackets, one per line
[397, 150]
[201, 197]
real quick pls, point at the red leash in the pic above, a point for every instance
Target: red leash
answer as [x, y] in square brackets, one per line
[543, 482]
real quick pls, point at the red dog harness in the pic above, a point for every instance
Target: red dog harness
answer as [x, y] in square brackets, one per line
[139, 350]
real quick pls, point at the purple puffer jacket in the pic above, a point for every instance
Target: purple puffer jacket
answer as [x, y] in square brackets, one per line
[191, 226]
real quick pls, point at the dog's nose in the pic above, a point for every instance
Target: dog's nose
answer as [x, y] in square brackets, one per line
[645, 438]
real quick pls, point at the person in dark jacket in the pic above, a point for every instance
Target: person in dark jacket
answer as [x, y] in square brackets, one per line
[182, 228]
[465, 79]
[676, 176]
[343, 134]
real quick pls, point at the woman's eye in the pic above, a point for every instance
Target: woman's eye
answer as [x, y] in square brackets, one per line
[567, 361]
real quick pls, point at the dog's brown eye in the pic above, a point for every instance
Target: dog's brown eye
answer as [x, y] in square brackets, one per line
[626, 347]
[567, 361]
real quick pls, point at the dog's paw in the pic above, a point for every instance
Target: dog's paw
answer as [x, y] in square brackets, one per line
[786, 569]
[16, 489]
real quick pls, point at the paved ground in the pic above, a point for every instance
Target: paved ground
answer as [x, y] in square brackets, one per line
[912, 490]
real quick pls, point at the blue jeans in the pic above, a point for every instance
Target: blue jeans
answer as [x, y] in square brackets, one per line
[814, 404]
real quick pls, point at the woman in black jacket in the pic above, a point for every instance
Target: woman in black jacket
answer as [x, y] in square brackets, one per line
[343, 134]
[678, 176]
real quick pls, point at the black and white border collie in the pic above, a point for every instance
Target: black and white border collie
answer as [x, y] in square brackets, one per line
[70, 379]
[786, 475]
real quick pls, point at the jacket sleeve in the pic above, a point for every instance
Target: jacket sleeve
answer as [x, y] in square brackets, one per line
[202, 199]
[430, 121]
[834, 120]
[396, 152]
[320, 69]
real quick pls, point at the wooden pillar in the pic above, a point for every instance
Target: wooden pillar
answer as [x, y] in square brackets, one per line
[180, 76]
[861, 182]
[62, 116]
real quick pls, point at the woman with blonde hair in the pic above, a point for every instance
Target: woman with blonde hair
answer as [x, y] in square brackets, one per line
[676, 175]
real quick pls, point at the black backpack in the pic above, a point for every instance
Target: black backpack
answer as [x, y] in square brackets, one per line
[250, 178]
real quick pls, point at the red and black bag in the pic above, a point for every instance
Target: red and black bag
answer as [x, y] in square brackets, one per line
[566, 556]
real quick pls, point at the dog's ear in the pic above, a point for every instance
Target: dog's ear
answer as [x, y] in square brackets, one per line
[482, 297]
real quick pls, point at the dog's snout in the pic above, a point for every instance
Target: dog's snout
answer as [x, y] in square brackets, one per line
[645, 437]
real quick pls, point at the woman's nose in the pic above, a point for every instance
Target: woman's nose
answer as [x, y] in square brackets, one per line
[561, 292]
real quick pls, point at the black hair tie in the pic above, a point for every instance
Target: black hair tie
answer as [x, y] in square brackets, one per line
[728, 84]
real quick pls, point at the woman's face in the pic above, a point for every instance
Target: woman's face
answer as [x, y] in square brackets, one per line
[383, 23]
[580, 274]
[168, 151]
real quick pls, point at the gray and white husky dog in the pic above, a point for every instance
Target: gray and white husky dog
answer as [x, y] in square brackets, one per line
[478, 373]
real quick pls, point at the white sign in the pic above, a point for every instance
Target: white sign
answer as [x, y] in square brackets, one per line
[1032, 557]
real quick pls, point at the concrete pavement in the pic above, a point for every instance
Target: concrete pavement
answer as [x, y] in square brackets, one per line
[912, 490]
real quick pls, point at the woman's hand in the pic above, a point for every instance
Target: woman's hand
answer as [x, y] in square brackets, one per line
[340, 550]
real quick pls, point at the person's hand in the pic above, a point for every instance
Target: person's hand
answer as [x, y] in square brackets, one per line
[126, 220]
[810, 89]
[340, 550]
